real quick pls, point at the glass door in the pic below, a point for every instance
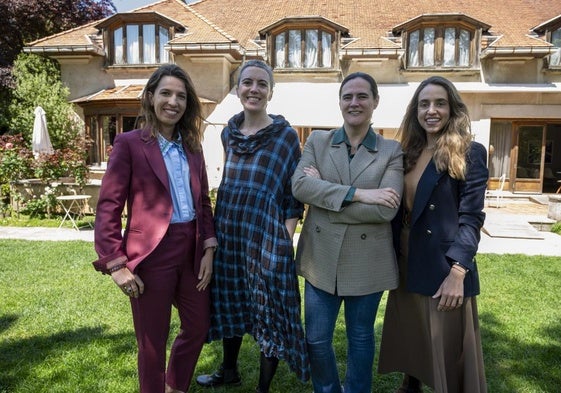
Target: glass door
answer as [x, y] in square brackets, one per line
[530, 160]
[95, 155]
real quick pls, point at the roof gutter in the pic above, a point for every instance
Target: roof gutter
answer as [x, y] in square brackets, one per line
[215, 47]
[371, 52]
[52, 50]
[517, 51]
[203, 46]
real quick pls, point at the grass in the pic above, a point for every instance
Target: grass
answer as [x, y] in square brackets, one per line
[66, 328]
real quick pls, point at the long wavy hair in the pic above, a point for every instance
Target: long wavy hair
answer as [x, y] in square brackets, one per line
[452, 141]
[189, 126]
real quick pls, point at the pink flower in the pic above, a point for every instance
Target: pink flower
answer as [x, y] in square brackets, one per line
[9, 145]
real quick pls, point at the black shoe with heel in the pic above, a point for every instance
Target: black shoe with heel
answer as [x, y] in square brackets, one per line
[221, 377]
[410, 385]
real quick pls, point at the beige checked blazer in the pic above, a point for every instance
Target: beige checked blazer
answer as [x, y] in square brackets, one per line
[347, 250]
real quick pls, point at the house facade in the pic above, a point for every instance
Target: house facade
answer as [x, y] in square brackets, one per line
[504, 57]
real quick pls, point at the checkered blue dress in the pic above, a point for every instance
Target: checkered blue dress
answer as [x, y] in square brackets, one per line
[255, 286]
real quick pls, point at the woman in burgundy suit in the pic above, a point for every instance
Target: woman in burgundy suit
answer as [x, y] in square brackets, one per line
[164, 257]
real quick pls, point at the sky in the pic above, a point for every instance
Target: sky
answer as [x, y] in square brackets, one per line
[127, 5]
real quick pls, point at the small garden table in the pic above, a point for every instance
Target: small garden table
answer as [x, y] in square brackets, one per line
[73, 206]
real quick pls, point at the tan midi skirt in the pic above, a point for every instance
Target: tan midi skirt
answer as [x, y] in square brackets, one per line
[440, 348]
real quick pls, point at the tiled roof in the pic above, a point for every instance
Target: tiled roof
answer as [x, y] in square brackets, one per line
[369, 21]
[75, 37]
[128, 92]
[198, 29]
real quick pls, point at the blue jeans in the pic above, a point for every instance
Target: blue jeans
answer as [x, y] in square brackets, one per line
[321, 311]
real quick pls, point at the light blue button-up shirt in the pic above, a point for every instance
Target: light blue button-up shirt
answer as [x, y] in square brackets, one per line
[177, 167]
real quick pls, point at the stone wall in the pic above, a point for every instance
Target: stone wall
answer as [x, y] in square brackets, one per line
[554, 210]
[30, 188]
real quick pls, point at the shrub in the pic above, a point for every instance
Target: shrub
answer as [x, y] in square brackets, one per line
[47, 167]
[38, 83]
[16, 159]
[73, 159]
[41, 206]
[5, 206]
[18, 163]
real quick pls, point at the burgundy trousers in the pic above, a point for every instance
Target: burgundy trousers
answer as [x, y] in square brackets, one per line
[169, 280]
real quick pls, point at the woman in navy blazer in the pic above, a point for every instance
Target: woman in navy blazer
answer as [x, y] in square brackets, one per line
[431, 328]
[165, 255]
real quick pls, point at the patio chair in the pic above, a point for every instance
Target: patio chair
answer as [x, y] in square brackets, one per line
[497, 194]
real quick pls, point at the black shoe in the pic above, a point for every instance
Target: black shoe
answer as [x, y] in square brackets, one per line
[410, 385]
[220, 377]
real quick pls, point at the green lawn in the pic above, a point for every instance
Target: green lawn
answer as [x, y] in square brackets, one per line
[66, 328]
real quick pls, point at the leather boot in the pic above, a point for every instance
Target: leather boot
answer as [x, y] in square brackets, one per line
[220, 377]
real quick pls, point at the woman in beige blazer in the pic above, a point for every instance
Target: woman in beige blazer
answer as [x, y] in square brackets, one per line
[351, 178]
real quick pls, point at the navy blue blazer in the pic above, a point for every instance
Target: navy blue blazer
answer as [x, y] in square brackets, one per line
[445, 225]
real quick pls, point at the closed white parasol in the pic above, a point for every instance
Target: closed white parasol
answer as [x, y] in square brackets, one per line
[41, 142]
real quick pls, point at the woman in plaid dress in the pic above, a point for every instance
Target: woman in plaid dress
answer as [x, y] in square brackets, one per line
[255, 288]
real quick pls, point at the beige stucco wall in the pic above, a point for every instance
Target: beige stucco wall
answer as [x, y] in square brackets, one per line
[384, 71]
[527, 112]
[85, 76]
[211, 75]
[520, 70]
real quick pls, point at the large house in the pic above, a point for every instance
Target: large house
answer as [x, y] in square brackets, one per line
[504, 57]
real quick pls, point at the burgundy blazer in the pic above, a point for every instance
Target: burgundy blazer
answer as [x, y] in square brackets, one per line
[136, 175]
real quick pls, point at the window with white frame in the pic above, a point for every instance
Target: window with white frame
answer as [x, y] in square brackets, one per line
[433, 46]
[303, 48]
[140, 44]
[555, 58]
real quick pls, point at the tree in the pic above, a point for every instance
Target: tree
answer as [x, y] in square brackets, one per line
[38, 83]
[24, 21]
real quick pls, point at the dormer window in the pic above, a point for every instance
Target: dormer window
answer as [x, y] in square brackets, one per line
[555, 58]
[550, 31]
[432, 46]
[138, 38]
[303, 48]
[441, 41]
[140, 44]
[303, 43]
